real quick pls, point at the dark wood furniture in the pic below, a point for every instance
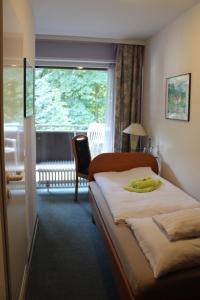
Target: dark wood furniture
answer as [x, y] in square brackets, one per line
[82, 157]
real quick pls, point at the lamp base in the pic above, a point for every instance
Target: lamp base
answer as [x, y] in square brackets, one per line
[134, 142]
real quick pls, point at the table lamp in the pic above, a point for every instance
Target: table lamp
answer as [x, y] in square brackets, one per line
[135, 130]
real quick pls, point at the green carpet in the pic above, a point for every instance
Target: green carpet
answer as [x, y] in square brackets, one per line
[69, 262]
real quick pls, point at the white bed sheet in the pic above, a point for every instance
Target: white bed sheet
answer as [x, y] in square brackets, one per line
[124, 204]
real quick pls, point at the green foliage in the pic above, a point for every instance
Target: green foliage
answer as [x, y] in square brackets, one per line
[69, 97]
[29, 90]
[13, 94]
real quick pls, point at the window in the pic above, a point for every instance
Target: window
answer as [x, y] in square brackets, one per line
[69, 99]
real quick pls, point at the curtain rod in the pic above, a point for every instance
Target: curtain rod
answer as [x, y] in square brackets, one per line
[89, 39]
[77, 61]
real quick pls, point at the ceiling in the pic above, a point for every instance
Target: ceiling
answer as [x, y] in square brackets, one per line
[113, 19]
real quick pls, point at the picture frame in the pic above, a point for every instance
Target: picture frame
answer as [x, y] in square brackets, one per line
[177, 101]
[29, 80]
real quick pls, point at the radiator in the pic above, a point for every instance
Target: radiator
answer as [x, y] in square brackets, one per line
[57, 173]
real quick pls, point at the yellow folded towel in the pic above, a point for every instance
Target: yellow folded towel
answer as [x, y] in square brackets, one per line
[143, 185]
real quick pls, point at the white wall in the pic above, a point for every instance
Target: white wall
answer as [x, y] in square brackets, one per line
[75, 51]
[60, 53]
[173, 51]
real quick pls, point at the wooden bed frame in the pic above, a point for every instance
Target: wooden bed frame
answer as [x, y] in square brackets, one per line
[116, 162]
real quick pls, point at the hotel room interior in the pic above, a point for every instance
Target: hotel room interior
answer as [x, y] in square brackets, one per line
[99, 150]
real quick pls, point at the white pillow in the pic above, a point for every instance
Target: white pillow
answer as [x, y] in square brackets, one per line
[123, 177]
[181, 224]
[164, 256]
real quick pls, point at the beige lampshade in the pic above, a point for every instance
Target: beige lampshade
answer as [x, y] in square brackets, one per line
[135, 129]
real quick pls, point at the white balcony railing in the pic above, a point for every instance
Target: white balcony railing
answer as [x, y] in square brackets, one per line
[64, 127]
[52, 171]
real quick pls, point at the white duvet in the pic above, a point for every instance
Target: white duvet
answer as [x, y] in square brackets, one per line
[124, 204]
[163, 255]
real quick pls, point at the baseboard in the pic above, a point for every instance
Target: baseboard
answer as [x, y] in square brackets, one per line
[24, 284]
[23, 289]
[32, 242]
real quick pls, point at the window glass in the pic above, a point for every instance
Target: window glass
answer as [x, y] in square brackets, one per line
[69, 99]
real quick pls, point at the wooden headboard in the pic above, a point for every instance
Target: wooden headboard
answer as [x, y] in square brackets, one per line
[120, 162]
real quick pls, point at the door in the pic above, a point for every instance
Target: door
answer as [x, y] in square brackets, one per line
[13, 139]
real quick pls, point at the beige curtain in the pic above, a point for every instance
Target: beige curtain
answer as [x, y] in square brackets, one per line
[128, 80]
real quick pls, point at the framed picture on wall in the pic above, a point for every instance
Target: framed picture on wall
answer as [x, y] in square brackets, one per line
[28, 88]
[177, 106]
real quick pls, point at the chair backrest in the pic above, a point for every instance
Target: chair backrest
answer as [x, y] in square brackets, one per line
[81, 152]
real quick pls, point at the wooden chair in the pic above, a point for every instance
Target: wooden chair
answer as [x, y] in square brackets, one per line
[82, 157]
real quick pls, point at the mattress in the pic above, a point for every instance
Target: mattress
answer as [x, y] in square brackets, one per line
[124, 204]
[179, 285]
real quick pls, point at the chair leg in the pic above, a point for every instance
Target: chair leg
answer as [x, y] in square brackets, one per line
[76, 189]
[93, 220]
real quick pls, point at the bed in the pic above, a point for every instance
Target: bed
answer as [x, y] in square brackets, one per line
[131, 270]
